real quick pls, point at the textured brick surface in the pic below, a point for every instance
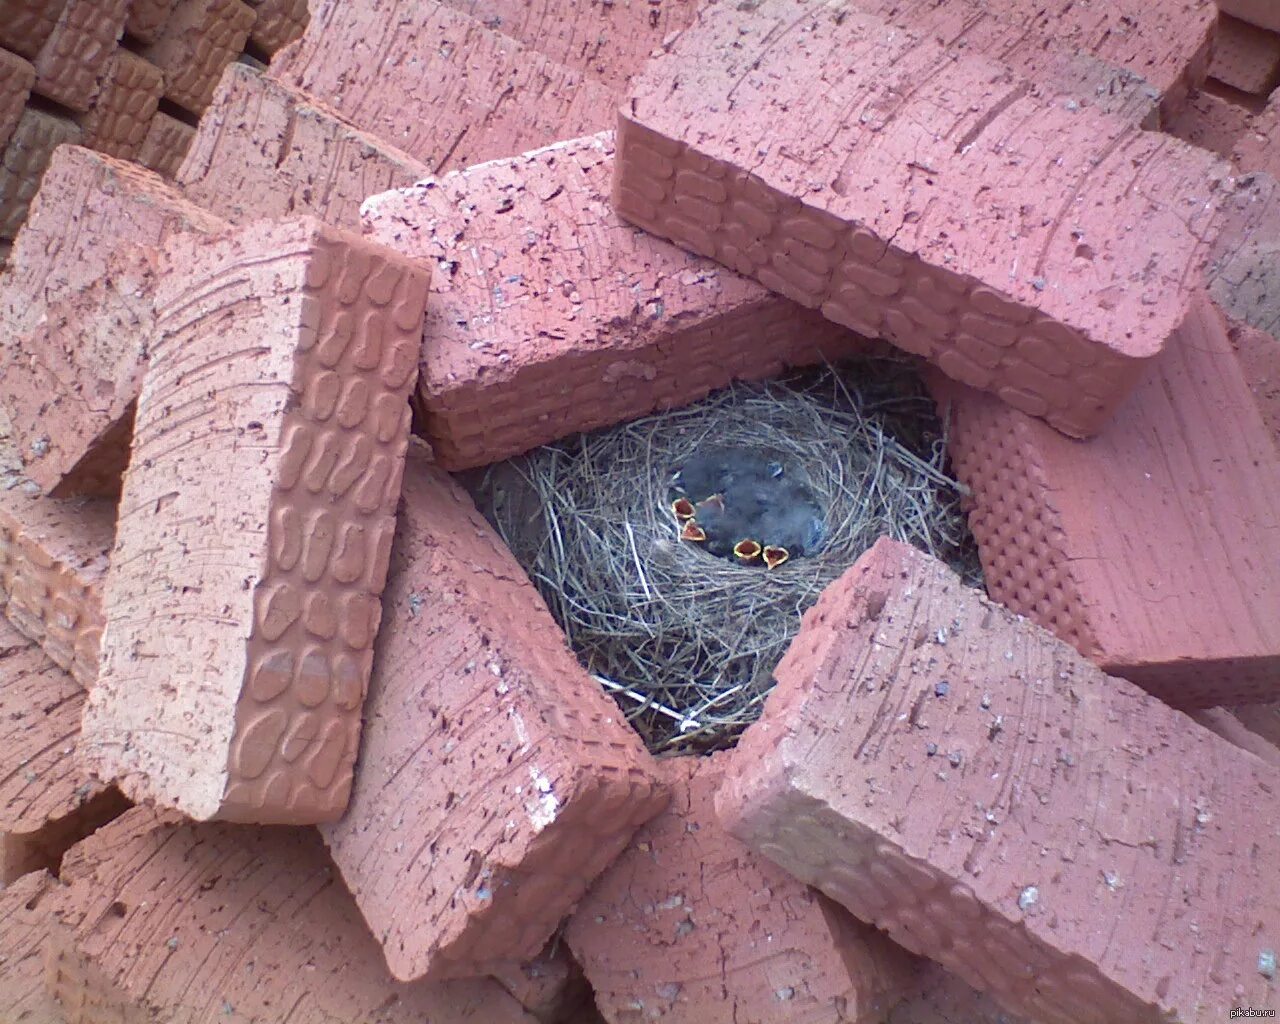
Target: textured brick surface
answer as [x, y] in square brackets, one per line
[1263, 13]
[551, 986]
[942, 998]
[688, 925]
[189, 923]
[24, 933]
[166, 144]
[1050, 834]
[1258, 147]
[199, 39]
[550, 314]
[438, 84]
[609, 41]
[16, 78]
[264, 150]
[497, 780]
[857, 169]
[1246, 57]
[1263, 719]
[277, 23]
[256, 522]
[76, 53]
[124, 104]
[1227, 725]
[1209, 121]
[24, 161]
[76, 313]
[26, 24]
[1146, 548]
[145, 18]
[1258, 353]
[47, 800]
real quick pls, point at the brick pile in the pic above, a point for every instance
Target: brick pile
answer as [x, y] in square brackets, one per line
[287, 734]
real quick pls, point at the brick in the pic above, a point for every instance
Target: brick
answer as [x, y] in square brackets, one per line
[1210, 122]
[144, 19]
[47, 801]
[1244, 268]
[1258, 354]
[1246, 57]
[277, 23]
[556, 316]
[942, 998]
[688, 925]
[121, 112]
[16, 79]
[75, 55]
[1226, 724]
[1051, 835]
[166, 144]
[264, 150]
[486, 744]
[609, 41]
[1262, 719]
[25, 25]
[185, 923]
[908, 216]
[24, 933]
[551, 986]
[1258, 147]
[1263, 13]
[199, 39]
[75, 314]
[255, 521]
[438, 84]
[1141, 548]
[24, 161]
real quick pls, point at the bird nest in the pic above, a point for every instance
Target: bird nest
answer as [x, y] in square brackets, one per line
[686, 640]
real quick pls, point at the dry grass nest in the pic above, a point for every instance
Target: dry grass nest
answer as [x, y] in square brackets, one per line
[684, 641]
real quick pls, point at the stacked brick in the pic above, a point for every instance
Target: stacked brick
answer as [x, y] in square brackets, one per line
[24, 939]
[1246, 57]
[727, 149]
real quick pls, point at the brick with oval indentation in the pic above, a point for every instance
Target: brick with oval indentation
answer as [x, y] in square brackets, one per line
[232, 608]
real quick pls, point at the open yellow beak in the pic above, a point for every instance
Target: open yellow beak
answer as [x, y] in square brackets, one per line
[747, 550]
[692, 531]
[774, 557]
[683, 508]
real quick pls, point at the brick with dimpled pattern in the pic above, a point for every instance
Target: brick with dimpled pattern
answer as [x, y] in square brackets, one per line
[16, 78]
[24, 160]
[277, 23]
[1246, 57]
[969, 784]
[145, 18]
[75, 55]
[497, 779]
[256, 523]
[691, 927]
[198, 40]
[26, 24]
[858, 169]
[120, 113]
[1145, 549]
[166, 144]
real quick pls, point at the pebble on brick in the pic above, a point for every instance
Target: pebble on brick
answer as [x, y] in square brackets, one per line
[47, 801]
[1150, 549]
[691, 927]
[197, 41]
[16, 79]
[76, 53]
[265, 150]
[858, 169]
[551, 315]
[187, 923]
[123, 106]
[966, 782]
[438, 84]
[75, 314]
[497, 779]
[255, 524]
[24, 161]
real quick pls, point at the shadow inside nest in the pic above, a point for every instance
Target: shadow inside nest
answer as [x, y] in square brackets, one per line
[682, 632]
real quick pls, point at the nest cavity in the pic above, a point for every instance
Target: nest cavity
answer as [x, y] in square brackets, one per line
[686, 640]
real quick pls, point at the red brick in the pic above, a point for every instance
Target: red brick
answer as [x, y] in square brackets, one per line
[1258, 353]
[1263, 13]
[166, 144]
[26, 24]
[75, 55]
[555, 315]
[942, 998]
[1210, 122]
[264, 150]
[1227, 725]
[16, 79]
[1246, 57]
[47, 801]
[609, 41]
[76, 311]
[1258, 147]
[1051, 835]
[277, 23]
[124, 104]
[688, 925]
[438, 84]
[24, 161]
[198, 40]
[1142, 549]
[905, 213]
[24, 933]
[1262, 719]
[185, 923]
[551, 986]
[487, 745]
[254, 526]
[145, 18]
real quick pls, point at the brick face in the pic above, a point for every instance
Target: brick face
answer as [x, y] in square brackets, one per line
[255, 526]
[123, 106]
[77, 51]
[198, 40]
[166, 144]
[1246, 57]
[23, 163]
[25, 25]
[1070, 844]
[24, 933]
[16, 78]
[911, 234]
